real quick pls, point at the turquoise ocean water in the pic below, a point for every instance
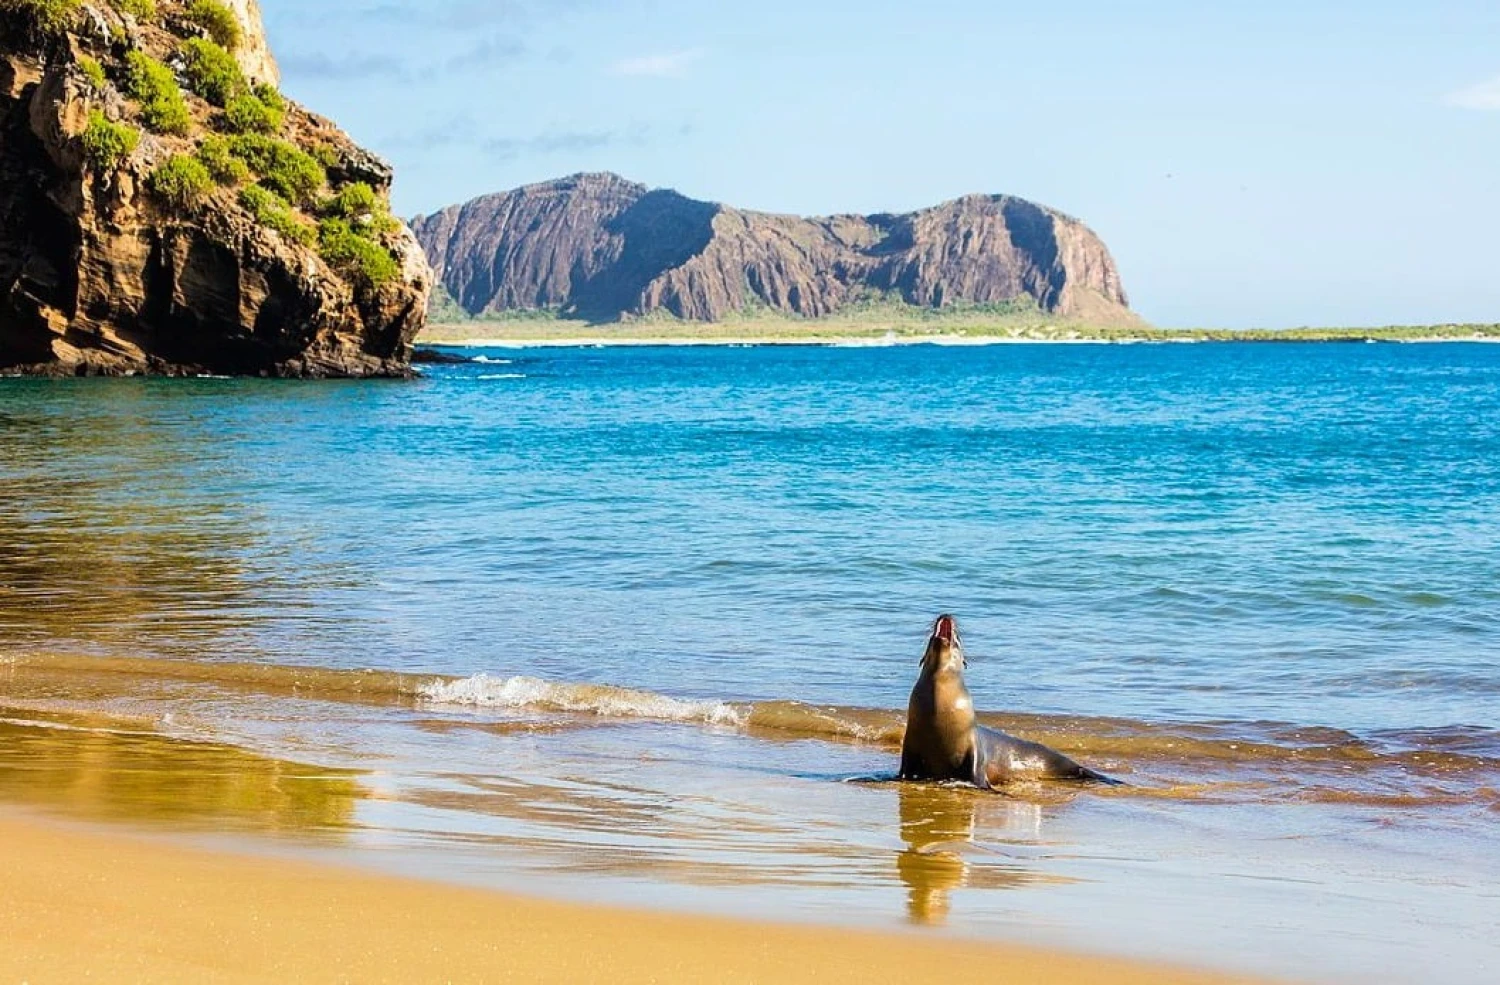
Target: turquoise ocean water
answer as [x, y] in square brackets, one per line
[657, 610]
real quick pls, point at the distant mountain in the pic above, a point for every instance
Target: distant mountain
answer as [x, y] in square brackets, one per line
[598, 247]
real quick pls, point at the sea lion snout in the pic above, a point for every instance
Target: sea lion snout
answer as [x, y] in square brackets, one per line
[946, 630]
[944, 648]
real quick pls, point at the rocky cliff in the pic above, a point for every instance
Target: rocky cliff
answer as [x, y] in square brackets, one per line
[164, 210]
[598, 247]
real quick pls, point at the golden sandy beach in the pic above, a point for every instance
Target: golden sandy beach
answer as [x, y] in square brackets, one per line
[87, 904]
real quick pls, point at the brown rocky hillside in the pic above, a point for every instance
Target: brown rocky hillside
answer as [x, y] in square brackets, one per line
[598, 247]
[163, 209]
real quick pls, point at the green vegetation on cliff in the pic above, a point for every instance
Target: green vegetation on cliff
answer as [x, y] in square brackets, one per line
[139, 9]
[218, 20]
[354, 220]
[93, 72]
[152, 84]
[183, 181]
[247, 114]
[261, 111]
[359, 206]
[352, 202]
[222, 165]
[46, 16]
[283, 167]
[211, 71]
[273, 212]
[106, 144]
[349, 250]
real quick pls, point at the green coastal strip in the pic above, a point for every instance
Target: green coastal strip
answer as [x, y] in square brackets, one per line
[834, 330]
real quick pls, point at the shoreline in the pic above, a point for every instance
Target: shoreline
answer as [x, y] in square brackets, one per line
[953, 339]
[849, 341]
[863, 343]
[87, 902]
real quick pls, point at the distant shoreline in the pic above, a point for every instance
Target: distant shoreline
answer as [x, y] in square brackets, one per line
[541, 334]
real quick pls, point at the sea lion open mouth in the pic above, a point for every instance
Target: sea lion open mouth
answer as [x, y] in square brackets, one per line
[946, 629]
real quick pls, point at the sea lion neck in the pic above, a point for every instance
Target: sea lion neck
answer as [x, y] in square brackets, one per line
[943, 657]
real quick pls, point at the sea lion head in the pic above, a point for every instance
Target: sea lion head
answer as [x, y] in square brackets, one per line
[944, 648]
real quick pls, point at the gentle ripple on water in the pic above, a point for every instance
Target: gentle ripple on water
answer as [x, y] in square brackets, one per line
[1307, 533]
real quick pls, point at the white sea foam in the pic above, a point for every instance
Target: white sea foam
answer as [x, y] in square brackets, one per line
[486, 691]
[501, 376]
[491, 361]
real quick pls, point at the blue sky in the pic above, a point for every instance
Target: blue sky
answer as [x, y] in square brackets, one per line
[1249, 164]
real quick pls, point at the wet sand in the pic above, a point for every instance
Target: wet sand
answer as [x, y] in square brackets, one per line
[1302, 855]
[89, 904]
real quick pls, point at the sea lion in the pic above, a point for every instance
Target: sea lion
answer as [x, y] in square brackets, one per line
[944, 742]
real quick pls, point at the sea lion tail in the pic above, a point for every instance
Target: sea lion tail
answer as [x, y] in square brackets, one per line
[1084, 773]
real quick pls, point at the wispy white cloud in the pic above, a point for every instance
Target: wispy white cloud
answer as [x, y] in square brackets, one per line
[1482, 96]
[673, 65]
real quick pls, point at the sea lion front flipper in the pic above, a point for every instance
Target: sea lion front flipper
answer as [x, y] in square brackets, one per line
[982, 770]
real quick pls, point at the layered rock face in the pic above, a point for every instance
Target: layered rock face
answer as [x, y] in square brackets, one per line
[599, 247]
[254, 52]
[107, 268]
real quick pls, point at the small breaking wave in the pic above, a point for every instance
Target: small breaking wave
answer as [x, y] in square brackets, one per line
[492, 361]
[1414, 767]
[486, 691]
[876, 726]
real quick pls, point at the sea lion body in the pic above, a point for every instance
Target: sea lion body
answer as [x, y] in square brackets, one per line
[944, 741]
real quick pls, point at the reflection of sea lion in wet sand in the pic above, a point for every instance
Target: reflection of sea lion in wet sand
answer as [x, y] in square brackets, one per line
[937, 824]
[944, 742]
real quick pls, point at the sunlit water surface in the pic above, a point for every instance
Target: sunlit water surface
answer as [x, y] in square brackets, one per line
[640, 625]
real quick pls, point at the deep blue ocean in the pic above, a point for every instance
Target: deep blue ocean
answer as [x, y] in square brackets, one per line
[1298, 533]
[639, 624]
